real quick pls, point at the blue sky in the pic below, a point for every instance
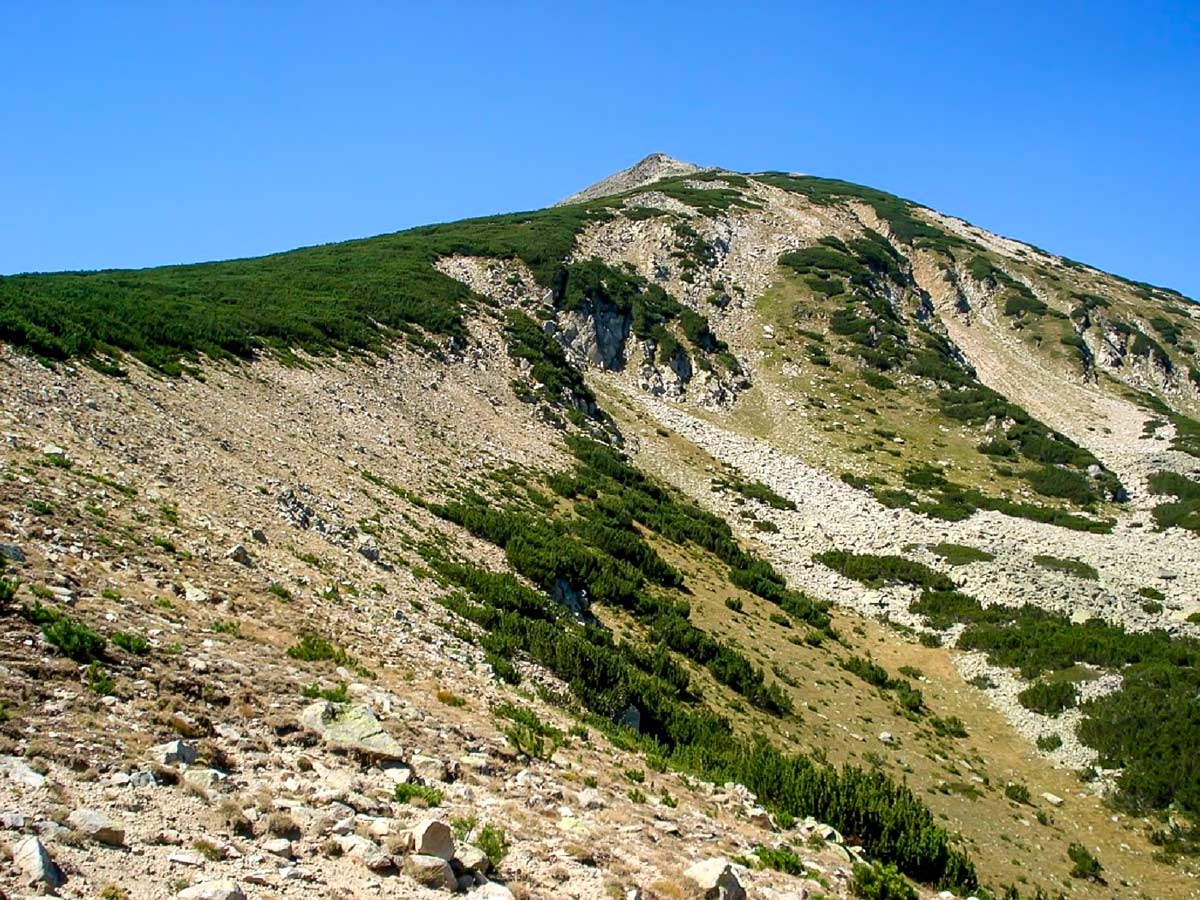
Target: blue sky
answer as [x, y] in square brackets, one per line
[139, 135]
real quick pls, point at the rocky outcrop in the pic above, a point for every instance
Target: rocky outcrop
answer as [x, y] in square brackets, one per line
[351, 727]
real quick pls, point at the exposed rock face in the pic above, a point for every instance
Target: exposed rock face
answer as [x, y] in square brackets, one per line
[352, 727]
[596, 334]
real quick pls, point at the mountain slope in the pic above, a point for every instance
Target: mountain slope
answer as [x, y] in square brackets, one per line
[628, 451]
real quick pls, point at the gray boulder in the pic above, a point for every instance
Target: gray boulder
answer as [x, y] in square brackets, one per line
[173, 753]
[352, 727]
[431, 871]
[36, 866]
[97, 826]
[225, 889]
[716, 879]
[433, 837]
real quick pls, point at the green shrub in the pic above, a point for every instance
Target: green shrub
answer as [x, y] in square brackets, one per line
[1049, 698]
[1017, 793]
[781, 859]
[336, 694]
[1049, 742]
[880, 882]
[131, 643]
[74, 639]
[754, 490]
[1083, 864]
[493, 841]
[960, 554]
[877, 571]
[99, 681]
[1069, 566]
[313, 648]
[427, 796]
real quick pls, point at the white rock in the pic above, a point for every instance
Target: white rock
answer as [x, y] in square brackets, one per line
[173, 753]
[433, 837]
[1052, 799]
[35, 864]
[97, 826]
[716, 879]
[431, 871]
[279, 847]
[225, 889]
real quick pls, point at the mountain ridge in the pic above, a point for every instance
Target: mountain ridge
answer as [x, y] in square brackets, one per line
[732, 498]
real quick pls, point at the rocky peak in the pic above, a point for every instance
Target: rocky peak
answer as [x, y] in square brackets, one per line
[654, 167]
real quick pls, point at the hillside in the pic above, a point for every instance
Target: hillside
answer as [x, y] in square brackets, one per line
[750, 517]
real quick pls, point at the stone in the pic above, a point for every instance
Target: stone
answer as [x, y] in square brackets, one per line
[1052, 799]
[352, 727]
[428, 769]
[204, 779]
[20, 772]
[885, 737]
[431, 871]
[224, 889]
[589, 798]
[278, 847]
[12, 552]
[97, 826]
[173, 753]
[491, 891]
[259, 535]
[35, 864]
[193, 594]
[716, 879]
[433, 837]
[239, 554]
[469, 858]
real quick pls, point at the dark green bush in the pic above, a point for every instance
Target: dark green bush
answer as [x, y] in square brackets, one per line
[76, 640]
[880, 882]
[1049, 698]
[876, 571]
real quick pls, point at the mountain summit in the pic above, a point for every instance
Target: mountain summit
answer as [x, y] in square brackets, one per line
[652, 168]
[709, 533]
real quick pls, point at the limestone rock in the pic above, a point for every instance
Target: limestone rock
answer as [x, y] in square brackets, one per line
[350, 726]
[433, 837]
[491, 891]
[469, 858]
[240, 555]
[716, 879]
[35, 864]
[97, 826]
[225, 889]
[431, 871]
[173, 753]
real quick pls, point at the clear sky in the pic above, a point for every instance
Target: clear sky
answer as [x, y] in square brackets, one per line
[142, 134]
